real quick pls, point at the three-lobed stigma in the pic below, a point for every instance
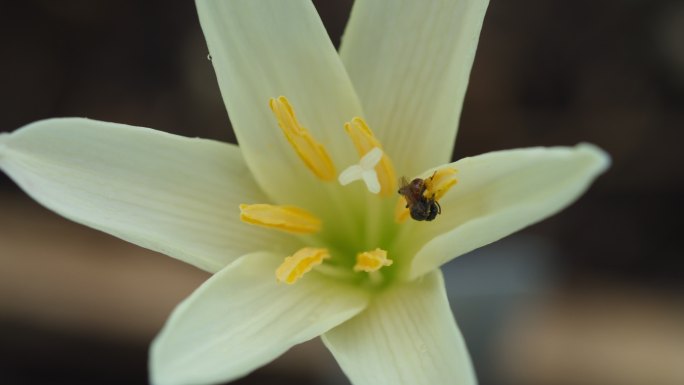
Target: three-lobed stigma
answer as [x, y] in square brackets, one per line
[364, 170]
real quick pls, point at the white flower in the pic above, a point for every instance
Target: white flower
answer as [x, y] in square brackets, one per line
[369, 285]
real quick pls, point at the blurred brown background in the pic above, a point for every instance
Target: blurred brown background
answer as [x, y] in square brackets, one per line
[594, 295]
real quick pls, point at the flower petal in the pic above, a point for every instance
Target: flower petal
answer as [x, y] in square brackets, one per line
[241, 319]
[410, 65]
[500, 193]
[264, 49]
[175, 195]
[406, 336]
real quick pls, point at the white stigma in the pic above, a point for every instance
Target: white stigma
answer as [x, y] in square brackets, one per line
[364, 170]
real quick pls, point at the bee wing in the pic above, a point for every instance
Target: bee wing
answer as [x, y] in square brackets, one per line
[405, 191]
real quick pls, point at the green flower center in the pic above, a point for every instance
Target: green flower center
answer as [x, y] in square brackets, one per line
[368, 259]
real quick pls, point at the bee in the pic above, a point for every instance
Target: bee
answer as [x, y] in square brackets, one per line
[421, 207]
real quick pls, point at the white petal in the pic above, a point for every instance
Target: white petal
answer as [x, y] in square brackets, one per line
[175, 195]
[241, 318]
[410, 65]
[407, 336]
[500, 193]
[350, 174]
[267, 48]
[370, 177]
[371, 159]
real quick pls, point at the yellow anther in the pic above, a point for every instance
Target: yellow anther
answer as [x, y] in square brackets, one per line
[439, 183]
[364, 141]
[286, 218]
[300, 263]
[312, 153]
[370, 261]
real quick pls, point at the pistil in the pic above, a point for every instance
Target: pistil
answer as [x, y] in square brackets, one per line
[364, 170]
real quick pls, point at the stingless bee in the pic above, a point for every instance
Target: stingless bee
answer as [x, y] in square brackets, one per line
[422, 208]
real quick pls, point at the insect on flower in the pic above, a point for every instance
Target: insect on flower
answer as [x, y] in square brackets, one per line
[422, 207]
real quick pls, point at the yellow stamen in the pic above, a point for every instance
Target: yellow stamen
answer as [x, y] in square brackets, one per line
[439, 183]
[286, 218]
[312, 153]
[370, 261]
[364, 141]
[300, 263]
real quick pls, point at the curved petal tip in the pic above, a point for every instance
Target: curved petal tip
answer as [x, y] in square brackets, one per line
[603, 159]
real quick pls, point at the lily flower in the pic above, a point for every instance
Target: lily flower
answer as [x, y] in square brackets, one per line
[294, 253]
